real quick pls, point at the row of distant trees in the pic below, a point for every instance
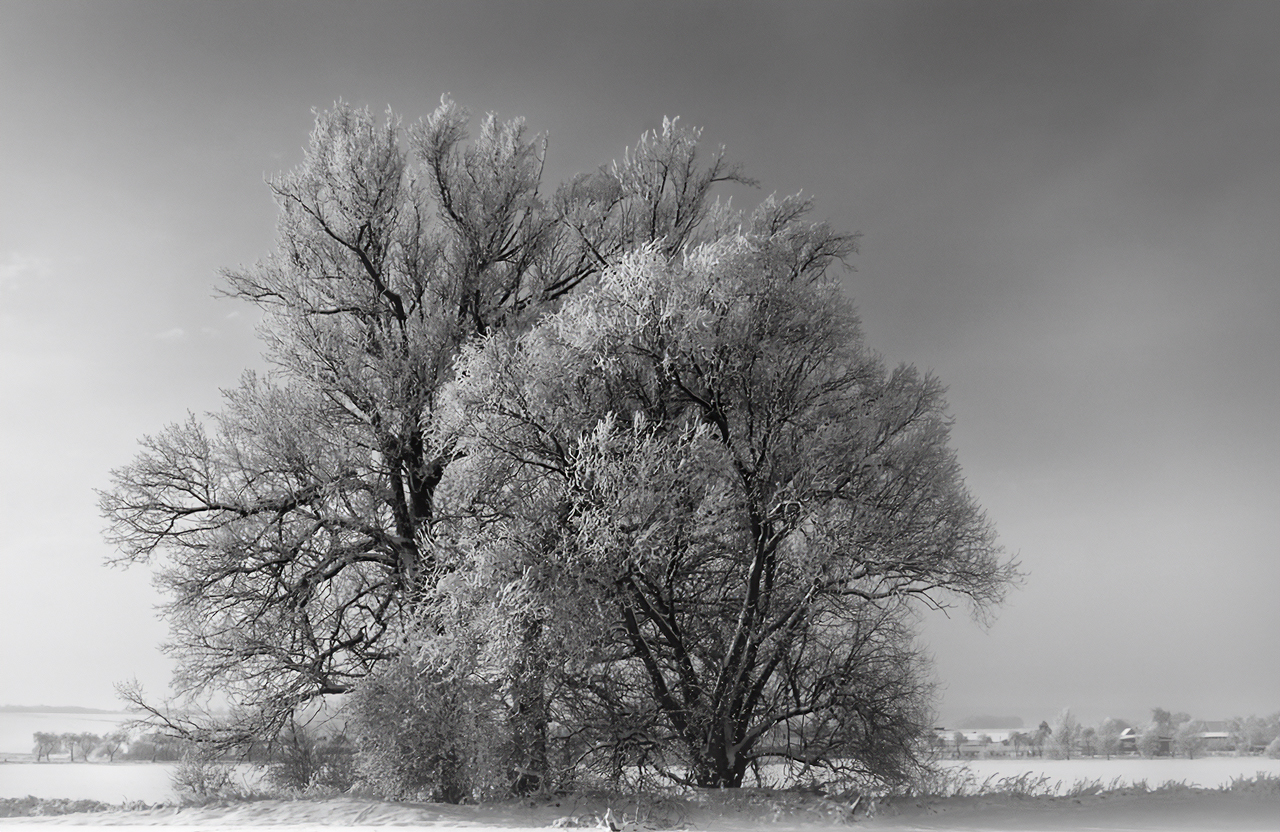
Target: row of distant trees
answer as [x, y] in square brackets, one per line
[87, 746]
[1166, 733]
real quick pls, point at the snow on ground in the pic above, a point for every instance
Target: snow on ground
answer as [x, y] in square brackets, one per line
[1206, 772]
[151, 782]
[1176, 811]
[118, 782]
[1137, 810]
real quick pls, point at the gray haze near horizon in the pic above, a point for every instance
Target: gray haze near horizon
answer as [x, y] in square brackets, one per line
[1070, 214]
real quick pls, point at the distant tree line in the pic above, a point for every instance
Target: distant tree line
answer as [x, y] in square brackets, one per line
[155, 746]
[82, 746]
[1164, 734]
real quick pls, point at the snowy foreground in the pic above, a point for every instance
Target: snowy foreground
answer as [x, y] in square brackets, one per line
[1183, 809]
[124, 782]
[988, 796]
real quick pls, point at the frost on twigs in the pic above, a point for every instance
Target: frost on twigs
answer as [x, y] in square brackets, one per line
[588, 485]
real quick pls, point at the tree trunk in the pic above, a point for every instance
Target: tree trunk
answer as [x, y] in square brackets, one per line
[719, 773]
[529, 716]
[718, 766]
[454, 786]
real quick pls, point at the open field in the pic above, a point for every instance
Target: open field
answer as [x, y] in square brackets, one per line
[106, 782]
[1180, 808]
[117, 782]
[150, 782]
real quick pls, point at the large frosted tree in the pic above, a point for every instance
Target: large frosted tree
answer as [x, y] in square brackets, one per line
[293, 531]
[612, 464]
[736, 508]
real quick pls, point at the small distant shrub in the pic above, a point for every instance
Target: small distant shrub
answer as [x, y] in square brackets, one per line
[1027, 784]
[937, 781]
[1089, 788]
[201, 777]
[154, 747]
[1263, 782]
[1273, 750]
[303, 763]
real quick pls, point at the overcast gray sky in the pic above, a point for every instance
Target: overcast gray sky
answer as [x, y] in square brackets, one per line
[1070, 212]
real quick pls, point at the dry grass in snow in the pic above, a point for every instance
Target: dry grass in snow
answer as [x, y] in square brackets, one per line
[1009, 806]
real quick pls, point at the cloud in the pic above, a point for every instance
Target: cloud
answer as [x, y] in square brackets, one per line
[175, 334]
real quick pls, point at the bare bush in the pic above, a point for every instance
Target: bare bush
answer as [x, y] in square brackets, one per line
[421, 734]
[305, 763]
[201, 776]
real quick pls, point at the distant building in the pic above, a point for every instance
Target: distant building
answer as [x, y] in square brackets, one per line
[979, 743]
[1216, 736]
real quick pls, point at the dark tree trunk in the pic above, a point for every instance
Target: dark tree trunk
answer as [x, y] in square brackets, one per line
[718, 767]
[453, 778]
[529, 717]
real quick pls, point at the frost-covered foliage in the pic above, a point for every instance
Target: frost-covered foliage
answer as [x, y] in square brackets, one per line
[201, 776]
[1065, 736]
[426, 733]
[745, 498]
[292, 531]
[596, 485]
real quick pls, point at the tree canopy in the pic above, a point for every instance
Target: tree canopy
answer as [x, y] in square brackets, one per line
[290, 524]
[617, 456]
[747, 498]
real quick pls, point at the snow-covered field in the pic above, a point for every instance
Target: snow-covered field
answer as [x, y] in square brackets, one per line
[1178, 809]
[106, 782]
[151, 782]
[1182, 811]
[118, 782]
